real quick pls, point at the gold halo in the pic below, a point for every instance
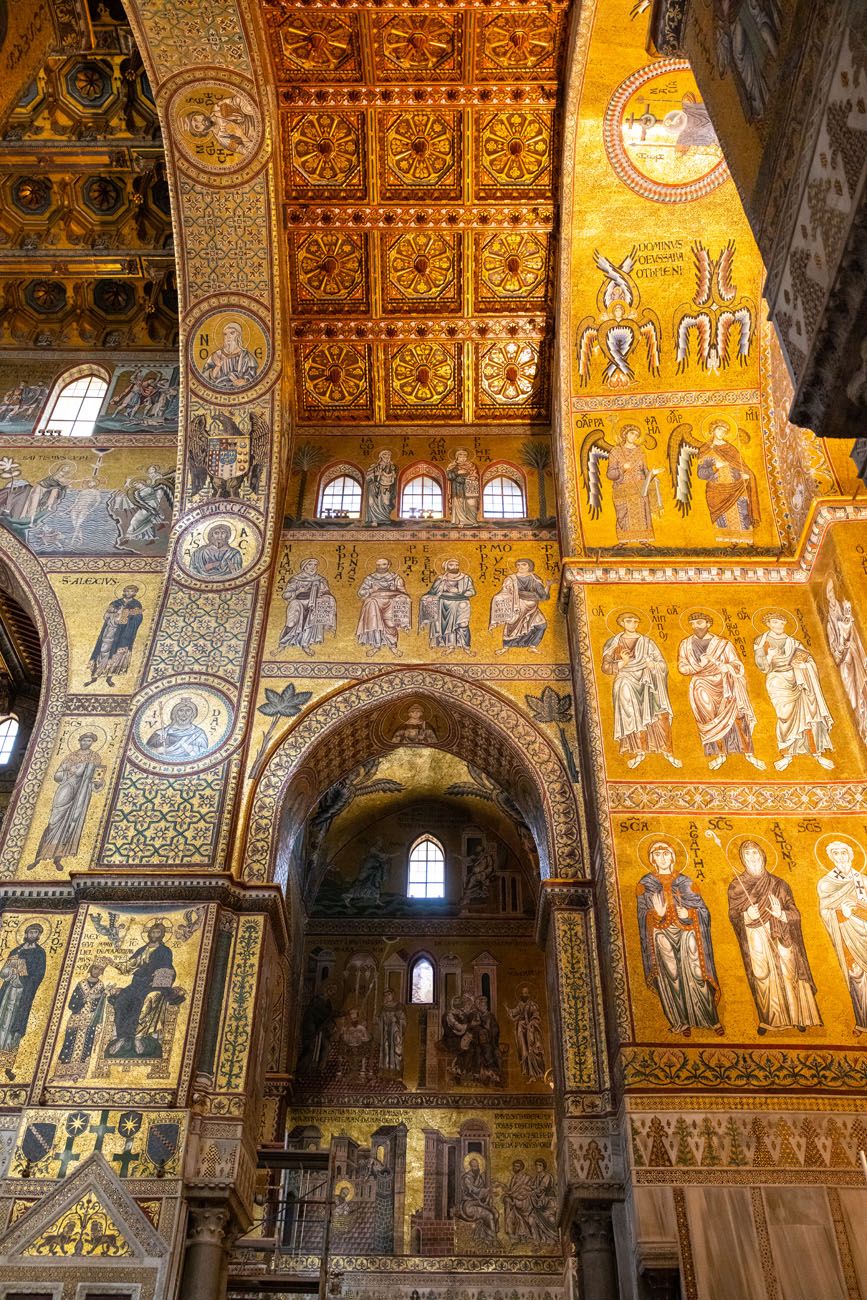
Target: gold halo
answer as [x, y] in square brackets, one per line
[731, 424]
[681, 857]
[613, 615]
[732, 851]
[827, 838]
[759, 615]
[344, 1182]
[475, 1155]
[25, 924]
[164, 921]
[82, 728]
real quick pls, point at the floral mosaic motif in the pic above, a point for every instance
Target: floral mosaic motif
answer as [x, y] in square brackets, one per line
[330, 265]
[86, 1228]
[326, 148]
[423, 373]
[519, 41]
[336, 374]
[420, 42]
[421, 265]
[516, 147]
[159, 820]
[513, 264]
[318, 43]
[420, 148]
[509, 371]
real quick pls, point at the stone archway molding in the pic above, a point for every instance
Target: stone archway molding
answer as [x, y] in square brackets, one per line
[336, 735]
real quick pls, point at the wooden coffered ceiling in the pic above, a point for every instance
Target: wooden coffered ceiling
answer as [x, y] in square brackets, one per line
[420, 163]
[86, 253]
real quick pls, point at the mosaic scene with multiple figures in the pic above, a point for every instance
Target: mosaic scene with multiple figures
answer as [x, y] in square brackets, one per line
[433, 650]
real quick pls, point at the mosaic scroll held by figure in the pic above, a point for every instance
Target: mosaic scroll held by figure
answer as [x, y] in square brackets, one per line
[127, 1007]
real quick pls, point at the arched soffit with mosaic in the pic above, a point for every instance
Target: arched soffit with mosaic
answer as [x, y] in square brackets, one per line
[22, 572]
[342, 732]
[664, 395]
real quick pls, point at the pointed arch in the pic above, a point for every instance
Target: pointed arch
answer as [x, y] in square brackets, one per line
[485, 729]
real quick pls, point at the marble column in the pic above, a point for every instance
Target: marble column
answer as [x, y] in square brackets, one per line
[206, 1264]
[594, 1238]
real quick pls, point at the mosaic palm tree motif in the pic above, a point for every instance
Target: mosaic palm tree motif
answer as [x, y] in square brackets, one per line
[421, 264]
[513, 263]
[330, 264]
[320, 42]
[423, 373]
[516, 147]
[336, 374]
[420, 148]
[419, 41]
[325, 148]
[509, 371]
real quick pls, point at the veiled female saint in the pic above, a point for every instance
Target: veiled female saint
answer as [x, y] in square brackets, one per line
[767, 922]
[642, 709]
[676, 947]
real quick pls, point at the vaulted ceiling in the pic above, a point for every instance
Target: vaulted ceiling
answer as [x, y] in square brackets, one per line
[86, 255]
[420, 173]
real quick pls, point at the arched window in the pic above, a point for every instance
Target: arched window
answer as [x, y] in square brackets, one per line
[8, 736]
[422, 498]
[421, 981]
[340, 493]
[74, 404]
[427, 869]
[503, 498]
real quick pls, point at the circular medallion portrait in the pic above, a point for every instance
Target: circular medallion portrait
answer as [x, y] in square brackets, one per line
[659, 138]
[219, 547]
[183, 724]
[217, 126]
[230, 351]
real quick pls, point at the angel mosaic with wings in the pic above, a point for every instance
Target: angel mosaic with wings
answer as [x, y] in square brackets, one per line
[635, 488]
[618, 326]
[714, 316]
[731, 491]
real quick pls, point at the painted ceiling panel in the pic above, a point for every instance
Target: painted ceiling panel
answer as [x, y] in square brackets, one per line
[420, 155]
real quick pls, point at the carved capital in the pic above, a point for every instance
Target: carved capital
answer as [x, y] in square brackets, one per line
[210, 1225]
[594, 1233]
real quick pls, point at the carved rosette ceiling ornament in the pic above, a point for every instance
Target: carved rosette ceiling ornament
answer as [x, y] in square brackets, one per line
[420, 167]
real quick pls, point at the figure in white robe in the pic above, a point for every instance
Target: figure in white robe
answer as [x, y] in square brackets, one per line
[843, 906]
[386, 610]
[515, 608]
[527, 1020]
[392, 1030]
[311, 609]
[182, 739]
[844, 639]
[78, 777]
[718, 693]
[804, 720]
[464, 489]
[642, 709]
[767, 923]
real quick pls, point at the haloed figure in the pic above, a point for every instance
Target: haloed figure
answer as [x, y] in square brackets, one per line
[120, 624]
[718, 693]
[642, 709]
[676, 947]
[804, 720]
[767, 922]
[843, 907]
